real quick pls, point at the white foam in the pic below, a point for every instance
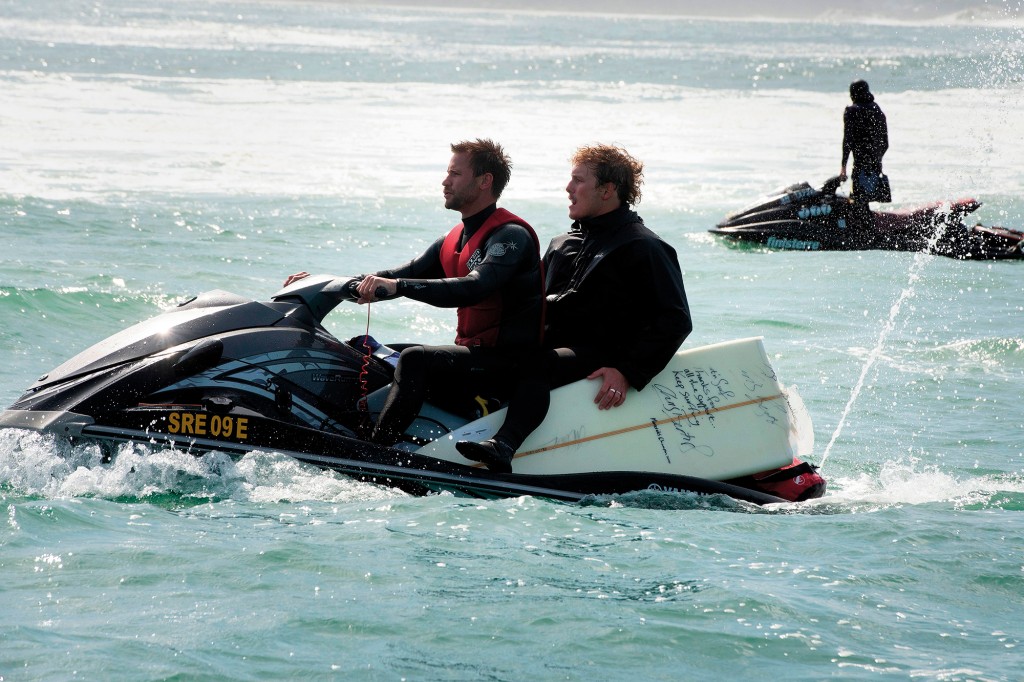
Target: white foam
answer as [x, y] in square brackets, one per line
[363, 141]
[38, 465]
[907, 481]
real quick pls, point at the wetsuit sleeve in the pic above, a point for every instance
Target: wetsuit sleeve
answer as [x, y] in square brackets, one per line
[848, 134]
[665, 309]
[503, 255]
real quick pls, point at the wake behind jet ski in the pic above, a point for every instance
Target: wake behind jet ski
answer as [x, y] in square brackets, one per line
[226, 373]
[802, 218]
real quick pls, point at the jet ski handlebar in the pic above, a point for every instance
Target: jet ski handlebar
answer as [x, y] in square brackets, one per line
[832, 184]
[320, 293]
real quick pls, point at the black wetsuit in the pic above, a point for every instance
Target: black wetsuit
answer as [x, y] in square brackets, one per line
[615, 299]
[866, 136]
[508, 264]
[452, 375]
[616, 288]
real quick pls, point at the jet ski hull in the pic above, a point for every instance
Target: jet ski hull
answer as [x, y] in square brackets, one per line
[222, 373]
[802, 218]
[413, 473]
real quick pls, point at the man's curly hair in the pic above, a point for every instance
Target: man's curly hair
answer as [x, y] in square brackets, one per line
[615, 165]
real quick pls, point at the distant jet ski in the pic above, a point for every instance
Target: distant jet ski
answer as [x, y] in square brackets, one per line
[225, 373]
[802, 218]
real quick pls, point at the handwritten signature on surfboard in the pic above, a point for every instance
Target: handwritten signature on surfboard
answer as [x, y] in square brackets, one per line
[692, 401]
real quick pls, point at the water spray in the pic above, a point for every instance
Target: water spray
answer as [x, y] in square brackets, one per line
[940, 223]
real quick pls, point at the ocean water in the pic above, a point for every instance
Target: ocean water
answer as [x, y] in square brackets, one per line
[154, 150]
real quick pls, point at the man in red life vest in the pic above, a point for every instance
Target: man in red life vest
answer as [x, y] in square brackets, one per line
[488, 267]
[616, 308]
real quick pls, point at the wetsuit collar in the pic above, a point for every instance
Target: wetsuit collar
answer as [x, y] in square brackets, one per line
[606, 221]
[471, 224]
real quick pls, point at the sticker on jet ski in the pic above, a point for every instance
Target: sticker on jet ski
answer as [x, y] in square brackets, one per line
[793, 244]
[204, 425]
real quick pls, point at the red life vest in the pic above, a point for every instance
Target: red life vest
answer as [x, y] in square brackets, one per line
[480, 323]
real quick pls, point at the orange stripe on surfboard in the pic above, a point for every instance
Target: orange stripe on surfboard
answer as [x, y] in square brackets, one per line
[650, 424]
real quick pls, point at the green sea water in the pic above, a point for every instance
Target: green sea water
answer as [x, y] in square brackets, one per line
[152, 151]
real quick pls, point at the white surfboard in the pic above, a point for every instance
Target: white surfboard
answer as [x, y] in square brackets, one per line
[715, 412]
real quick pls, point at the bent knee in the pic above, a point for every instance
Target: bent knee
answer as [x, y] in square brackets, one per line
[411, 362]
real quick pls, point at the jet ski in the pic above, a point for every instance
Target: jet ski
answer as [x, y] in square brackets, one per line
[802, 218]
[221, 372]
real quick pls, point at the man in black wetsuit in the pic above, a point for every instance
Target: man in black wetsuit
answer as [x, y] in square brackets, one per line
[487, 266]
[616, 307]
[866, 136]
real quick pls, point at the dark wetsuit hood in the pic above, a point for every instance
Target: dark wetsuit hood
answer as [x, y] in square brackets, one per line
[860, 93]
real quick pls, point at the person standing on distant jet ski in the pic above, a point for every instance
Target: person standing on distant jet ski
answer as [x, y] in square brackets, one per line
[488, 267]
[866, 137]
[617, 310]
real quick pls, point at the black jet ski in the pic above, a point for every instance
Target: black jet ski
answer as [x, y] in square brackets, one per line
[221, 372]
[802, 218]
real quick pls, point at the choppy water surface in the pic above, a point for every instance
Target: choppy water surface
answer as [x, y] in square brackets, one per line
[155, 150]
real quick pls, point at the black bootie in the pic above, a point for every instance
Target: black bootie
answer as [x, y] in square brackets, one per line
[496, 454]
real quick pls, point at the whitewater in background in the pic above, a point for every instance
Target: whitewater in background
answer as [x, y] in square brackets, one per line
[155, 150]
